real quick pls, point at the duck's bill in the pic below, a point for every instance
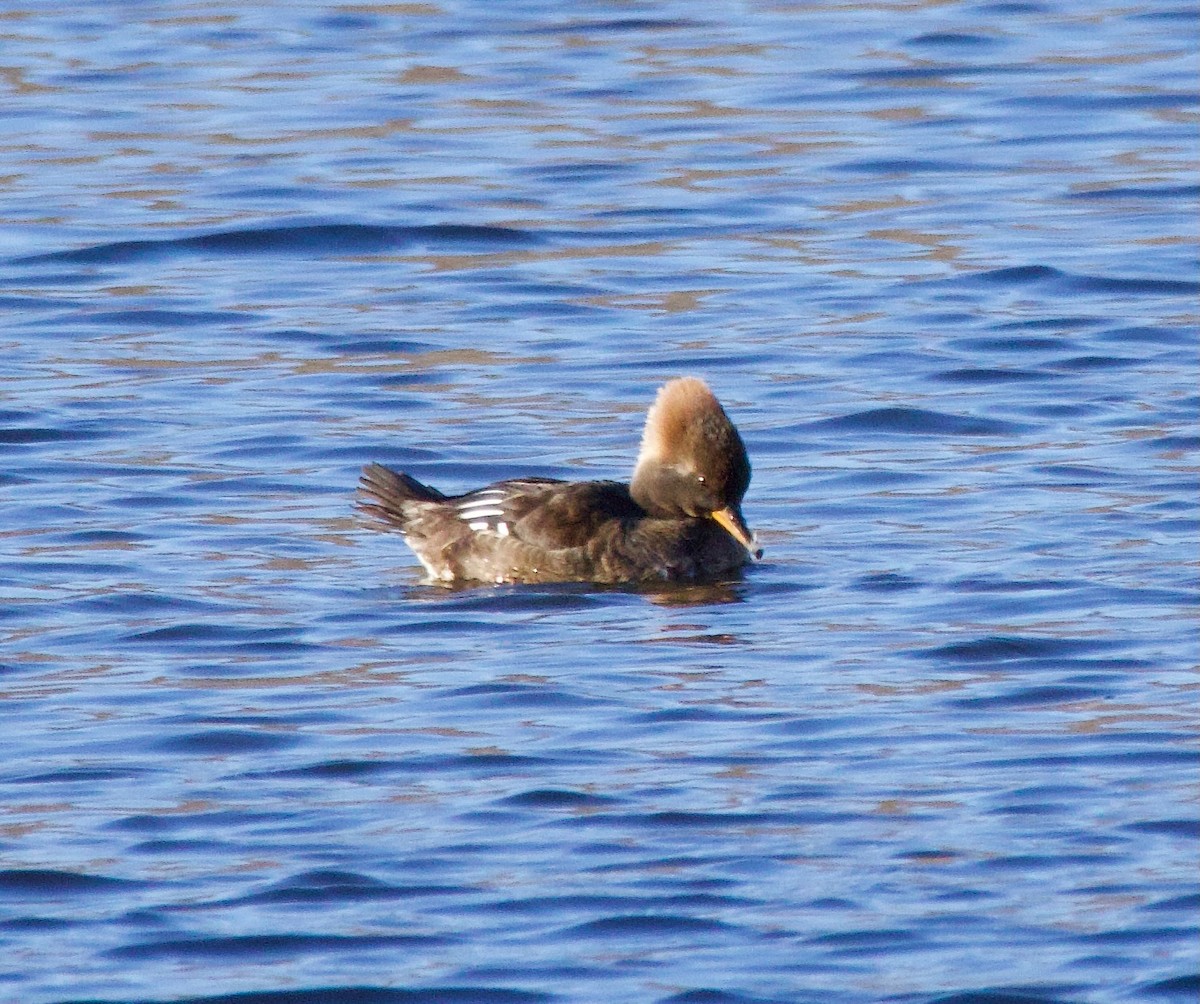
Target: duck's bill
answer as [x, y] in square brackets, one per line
[733, 524]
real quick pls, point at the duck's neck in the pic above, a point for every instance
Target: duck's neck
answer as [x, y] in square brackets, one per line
[657, 488]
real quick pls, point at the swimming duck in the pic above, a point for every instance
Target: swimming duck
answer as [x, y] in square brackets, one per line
[679, 519]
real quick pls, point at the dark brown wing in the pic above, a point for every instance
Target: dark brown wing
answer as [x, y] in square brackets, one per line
[555, 515]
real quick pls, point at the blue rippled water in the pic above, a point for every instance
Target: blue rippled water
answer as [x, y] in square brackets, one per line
[940, 263]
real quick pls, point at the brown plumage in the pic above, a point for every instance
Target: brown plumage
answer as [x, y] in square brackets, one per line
[680, 518]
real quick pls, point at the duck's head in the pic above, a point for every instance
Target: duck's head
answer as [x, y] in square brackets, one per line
[692, 461]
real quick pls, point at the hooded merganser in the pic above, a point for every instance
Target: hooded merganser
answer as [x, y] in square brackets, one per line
[680, 518]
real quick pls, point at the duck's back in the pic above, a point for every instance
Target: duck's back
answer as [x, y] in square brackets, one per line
[524, 529]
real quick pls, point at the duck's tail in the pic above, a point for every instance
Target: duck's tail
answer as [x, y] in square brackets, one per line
[389, 495]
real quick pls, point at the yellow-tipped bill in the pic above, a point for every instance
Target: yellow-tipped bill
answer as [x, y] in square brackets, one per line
[733, 524]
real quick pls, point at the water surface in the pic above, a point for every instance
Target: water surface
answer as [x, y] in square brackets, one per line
[939, 262]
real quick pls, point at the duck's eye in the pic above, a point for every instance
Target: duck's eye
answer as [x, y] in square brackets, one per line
[700, 478]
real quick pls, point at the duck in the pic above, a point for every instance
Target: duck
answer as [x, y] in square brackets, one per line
[679, 519]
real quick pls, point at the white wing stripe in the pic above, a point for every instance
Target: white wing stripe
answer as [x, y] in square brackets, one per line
[483, 495]
[479, 512]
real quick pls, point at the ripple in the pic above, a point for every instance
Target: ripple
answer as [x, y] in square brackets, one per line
[859, 942]
[1188, 903]
[359, 994]
[950, 39]
[329, 769]
[52, 882]
[916, 422]
[222, 820]
[886, 582]
[902, 166]
[267, 945]
[1029, 697]
[1044, 275]
[160, 318]
[990, 375]
[1002, 995]
[331, 886]
[78, 775]
[988, 585]
[1188, 829]
[615, 25]
[27, 436]
[652, 924]
[329, 239]
[557, 798]
[226, 741]
[1163, 936]
[1095, 362]
[1002, 648]
[1183, 988]
[1185, 192]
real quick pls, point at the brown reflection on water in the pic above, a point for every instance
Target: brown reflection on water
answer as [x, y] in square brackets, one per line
[696, 595]
[503, 259]
[935, 243]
